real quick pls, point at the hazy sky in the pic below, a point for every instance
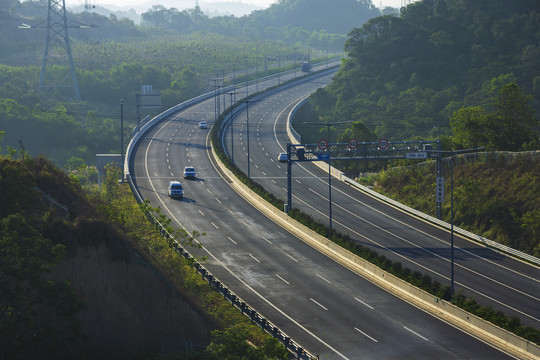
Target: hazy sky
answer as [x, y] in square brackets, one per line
[392, 3]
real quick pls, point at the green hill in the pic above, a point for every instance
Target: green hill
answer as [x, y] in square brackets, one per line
[71, 285]
[405, 77]
[84, 274]
[466, 72]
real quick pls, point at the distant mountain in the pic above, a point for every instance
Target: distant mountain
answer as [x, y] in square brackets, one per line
[133, 12]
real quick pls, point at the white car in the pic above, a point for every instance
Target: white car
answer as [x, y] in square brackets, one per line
[202, 125]
[175, 190]
[190, 172]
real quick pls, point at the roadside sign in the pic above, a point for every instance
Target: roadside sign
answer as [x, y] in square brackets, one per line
[440, 190]
[383, 143]
[353, 144]
[416, 155]
[324, 156]
[323, 144]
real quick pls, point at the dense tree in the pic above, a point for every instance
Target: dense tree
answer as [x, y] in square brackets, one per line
[409, 76]
[470, 126]
[514, 120]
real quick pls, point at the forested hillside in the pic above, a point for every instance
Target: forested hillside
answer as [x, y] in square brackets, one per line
[319, 23]
[464, 70]
[85, 275]
[179, 53]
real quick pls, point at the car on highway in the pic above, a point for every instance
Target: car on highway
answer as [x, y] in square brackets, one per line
[190, 172]
[203, 125]
[282, 157]
[176, 191]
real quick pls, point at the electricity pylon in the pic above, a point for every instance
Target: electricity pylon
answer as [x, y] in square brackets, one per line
[57, 34]
[404, 3]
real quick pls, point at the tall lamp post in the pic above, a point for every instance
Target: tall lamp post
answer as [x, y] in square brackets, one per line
[232, 119]
[452, 153]
[122, 135]
[328, 125]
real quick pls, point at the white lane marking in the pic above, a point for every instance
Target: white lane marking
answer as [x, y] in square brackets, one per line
[298, 181]
[427, 268]
[323, 278]
[200, 211]
[440, 240]
[234, 242]
[415, 333]
[215, 225]
[254, 258]
[291, 257]
[268, 241]
[366, 335]
[318, 303]
[282, 279]
[360, 301]
[274, 181]
[219, 201]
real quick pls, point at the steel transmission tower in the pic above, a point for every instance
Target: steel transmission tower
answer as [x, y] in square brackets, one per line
[404, 3]
[58, 52]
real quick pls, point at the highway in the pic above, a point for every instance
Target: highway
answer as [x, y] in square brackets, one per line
[329, 310]
[490, 277]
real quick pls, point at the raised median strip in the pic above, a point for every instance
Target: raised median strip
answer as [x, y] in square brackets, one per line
[440, 308]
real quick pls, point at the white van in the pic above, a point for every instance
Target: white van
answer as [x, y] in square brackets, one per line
[175, 190]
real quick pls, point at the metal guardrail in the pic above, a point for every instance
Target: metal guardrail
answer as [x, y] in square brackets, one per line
[443, 224]
[52, 201]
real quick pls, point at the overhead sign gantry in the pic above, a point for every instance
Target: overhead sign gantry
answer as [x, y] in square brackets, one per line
[356, 150]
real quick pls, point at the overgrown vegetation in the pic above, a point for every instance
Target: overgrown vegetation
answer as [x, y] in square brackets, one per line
[39, 316]
[493, 197]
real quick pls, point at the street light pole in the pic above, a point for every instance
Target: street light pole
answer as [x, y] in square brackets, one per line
[328, 125]
[452, 153]
[452, 225]
[122, 135]
[232, 129]
[247, 123]
[329, 178]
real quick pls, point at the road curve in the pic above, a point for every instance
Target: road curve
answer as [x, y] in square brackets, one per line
[326, 308]
[489, 276]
